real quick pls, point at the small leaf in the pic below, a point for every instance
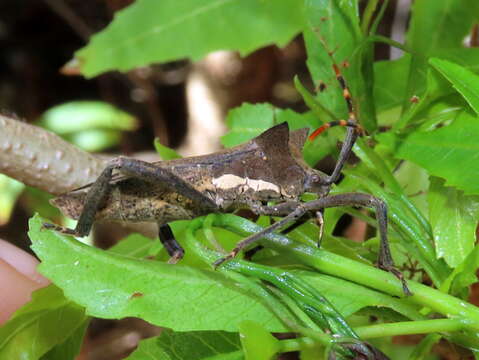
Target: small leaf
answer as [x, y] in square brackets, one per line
[454, 218]
[246, 122]
[165, 152]
[249, 121]
[161, 31]
[258, 344]
[196, 345]
[348, 298]
[435, 26]
[463, 80]
[75, 116]
[463, 275]
[450, 152]
[114, 286]
[47, 321]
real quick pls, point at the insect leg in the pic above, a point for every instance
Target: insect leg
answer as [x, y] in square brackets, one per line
[172, 246]
[385, 260]
[293, 209]
[292, 216]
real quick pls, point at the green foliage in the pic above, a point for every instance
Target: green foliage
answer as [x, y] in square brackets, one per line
[47, 327]
[454, 220]
[113, 286]
[420, 157]
[160, 31]
[445, 152]
[165, 152]
[195, 345]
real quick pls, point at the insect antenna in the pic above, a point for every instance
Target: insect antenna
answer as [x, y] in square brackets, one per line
[352, 120]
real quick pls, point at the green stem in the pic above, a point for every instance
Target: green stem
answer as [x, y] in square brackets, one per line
[367, 15]
[351, 270]
[386, 330]
[409, 328]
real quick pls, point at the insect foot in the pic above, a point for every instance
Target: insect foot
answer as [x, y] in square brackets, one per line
[230, 256]
[399, 275]
[59, 229]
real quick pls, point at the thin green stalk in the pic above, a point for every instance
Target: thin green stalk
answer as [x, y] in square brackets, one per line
[368, 15]
[388, 330]
[351, 270]
[409, 328]
[379, 17]
[388, 41]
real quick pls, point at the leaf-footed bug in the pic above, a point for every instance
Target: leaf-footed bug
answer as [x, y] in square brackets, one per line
[268, 168]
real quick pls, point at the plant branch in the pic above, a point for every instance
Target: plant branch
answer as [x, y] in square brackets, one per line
[351, 270]
[43, 160]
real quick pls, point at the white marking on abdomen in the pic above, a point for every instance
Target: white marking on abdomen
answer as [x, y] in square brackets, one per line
[230, 181]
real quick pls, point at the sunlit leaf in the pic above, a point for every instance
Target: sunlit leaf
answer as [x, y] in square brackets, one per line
[110, 285]
[463, 80]
[454, 218]
[161, 31]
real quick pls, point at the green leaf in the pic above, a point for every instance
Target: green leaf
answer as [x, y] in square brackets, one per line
[258, 344]
[463, 275]
[47, 321]
[334, 27]
[165, 152]
[390, 87]
[435, 26]
[440, 24]
[134, 245]
[196, 345]
[249, 121]
[115, 286]
[161, 31]
[450, 152]
[246, 122]
[454, 218]
[75, 116]
[348, 298]
[463, 80]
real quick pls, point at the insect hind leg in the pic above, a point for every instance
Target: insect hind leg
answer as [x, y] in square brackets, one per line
[173, 248]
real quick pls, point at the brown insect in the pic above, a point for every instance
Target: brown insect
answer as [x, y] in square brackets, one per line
[268, 168]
